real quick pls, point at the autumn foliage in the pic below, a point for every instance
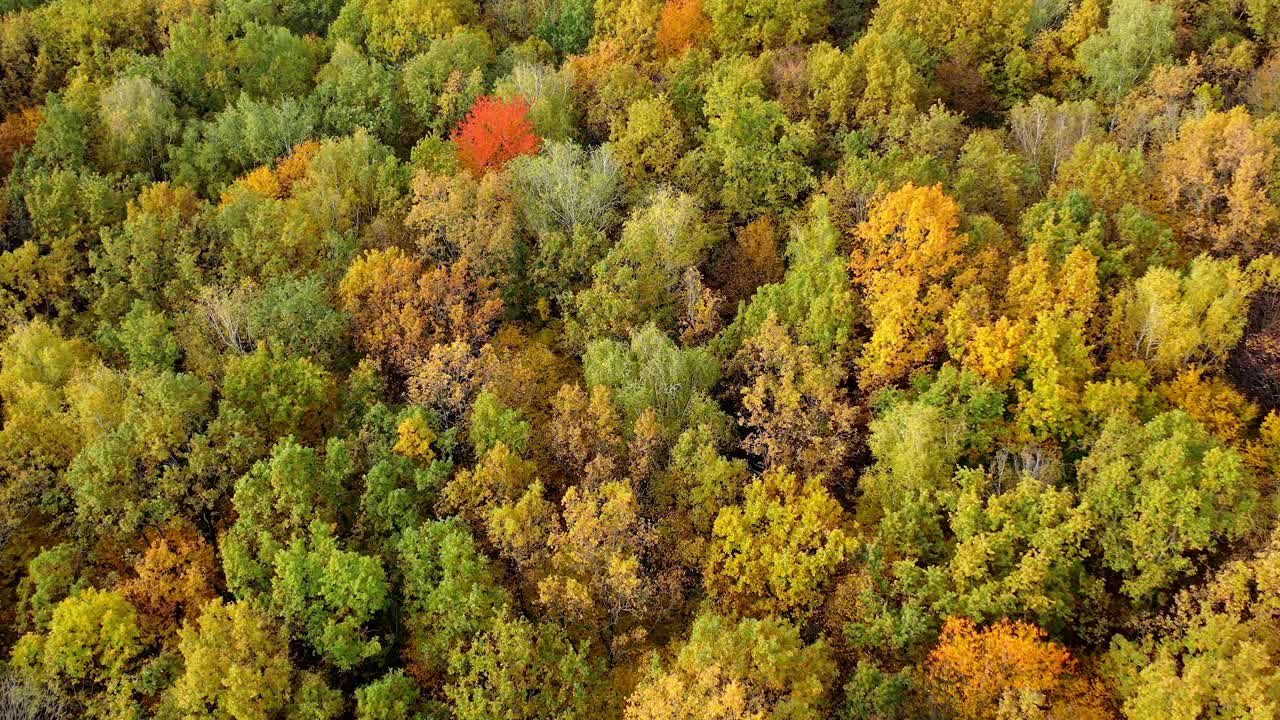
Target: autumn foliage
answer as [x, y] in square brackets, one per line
[640, 359]
[979, 672]
[494, 132]
[17, 131]
[681, 25]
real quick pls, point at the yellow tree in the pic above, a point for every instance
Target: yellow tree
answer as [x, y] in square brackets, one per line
[402, 310]
[909, 262]
[754, 670]
[1220, 180]
[779, 550]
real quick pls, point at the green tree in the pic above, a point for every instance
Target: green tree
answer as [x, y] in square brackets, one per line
[753, 158]
[521, 670]
[638, 281]
[1161, 494]
[748, 24]
[1139, 35]
[652, 372]
[451, 591]
[815, 298]
[329, 595]
[355, 91]
[138, 119]
[236, 666]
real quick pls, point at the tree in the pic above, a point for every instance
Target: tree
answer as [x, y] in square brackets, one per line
[494, 132]
[976, 672]
[154, 256]
[328, 595]
[777, 552]
[521, 670]
[401, 310]
[1219, 181]
[445, 81]
[650, 141]
[274, 502]
[236, 667]
[1048, 131]
[92, 648]
[131, 472]
[749, 669]
[549, 94]
[796, 407]
[599, 575]
[451, 591]
[1208, 661]
[276, 396]
[1019, 552]
[814, 299]
[390, 697]
[39, 437]
[569, 198]
[652, 372]
[17, 132]
[139, 119]
[682, 24]
[297, 316]
[910, 264]
[1161, 494]
[752, 159]
[173, 579]
[461, 217]
[696, 485]
[398, 29]
[637, 281]
[355, 91]
[1170, 319]
[1138, 36]
[742, 25]
[917, 443]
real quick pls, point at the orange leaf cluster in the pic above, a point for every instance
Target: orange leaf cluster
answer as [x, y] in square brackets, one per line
[18, 131]
[494, 132]
[682, 23]
[975, 671]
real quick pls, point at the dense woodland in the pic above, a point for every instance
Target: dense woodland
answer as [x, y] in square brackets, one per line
[639, 359]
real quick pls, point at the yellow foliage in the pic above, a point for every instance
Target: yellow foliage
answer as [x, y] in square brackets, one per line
[415, 439]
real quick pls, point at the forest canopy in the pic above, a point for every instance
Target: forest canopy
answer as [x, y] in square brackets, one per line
[640, 359]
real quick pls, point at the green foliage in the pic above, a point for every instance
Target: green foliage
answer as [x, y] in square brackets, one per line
[638, 281]
[91, 648]
[1168, 480]
[521, 670]
[391, 697]
[328, 595]
[451, 590]
[443, 83]
[651, 372]
[750, 24]
[815, 299]
[275, 396]
[492, 422]
[753, 158]
[354, 91]
[1138, 36]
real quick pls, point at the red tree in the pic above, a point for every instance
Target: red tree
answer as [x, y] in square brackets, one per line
[494, 132]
